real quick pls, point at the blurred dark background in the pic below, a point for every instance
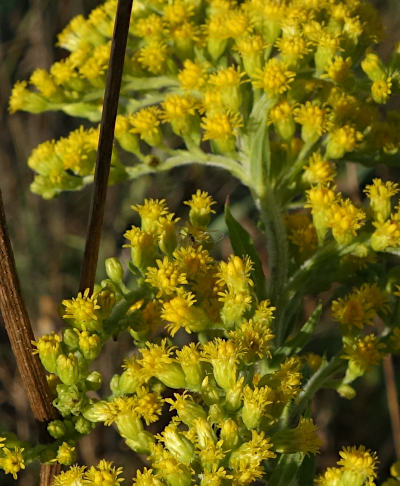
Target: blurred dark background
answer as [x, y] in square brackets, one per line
[48, 237]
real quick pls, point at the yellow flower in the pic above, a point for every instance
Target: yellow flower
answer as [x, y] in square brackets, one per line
[345, 219]
[281, 115]
[96, 65]
[149, 27]
[193, 260]
[253, 337]
[223, 355]
[200, 208]
[148, 405]
[153, 56]
[181, 312]
[166, 278]
[12, 461]
[331, 477]
[81, 309]
[156, 361]
[363, 353]
[302, 438]
[360, 307]
[143, 246]
[387, 234]
[319, 170]
[274, 78]
[179, 110]
[381, 90]
[103, 474]
[255, 402]
[177, 12]
[146, 123]
[379, 193]
[313, 119]
[320, 199]
[235, 273]
[339, 69]
[221, 126]
[72, 477]
[341, 140]
[146, 478]
[292, 48]
[150, 212]
[42, 80]
[360, 462]
[193, 76]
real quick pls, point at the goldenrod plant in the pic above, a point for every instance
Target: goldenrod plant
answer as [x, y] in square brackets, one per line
[217, 387]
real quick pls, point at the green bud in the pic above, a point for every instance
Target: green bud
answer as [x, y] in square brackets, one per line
[70, 401]
[56, 428]
[94, 381]
[97, 411]
[209, 391]
[106, 300]
[178, 444]
[49, 349]
[346, 391]
[373, 67]
[114, 269]
[90, 345]
[68, 368]
[128, 381]
[142, 443]
[204, 432]
[70, 339]
[172, 376]
[129, 425]
[229, 434]
[83, 426]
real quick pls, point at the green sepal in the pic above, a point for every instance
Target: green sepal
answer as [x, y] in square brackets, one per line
[243, 245]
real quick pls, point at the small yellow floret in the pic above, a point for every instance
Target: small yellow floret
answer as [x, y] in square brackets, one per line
[193, 76]
[146, 122]
[274, 78]
[166, 278]
[153, 56]
[12, 461]
[381, 90]
[360, 461]
[82, 308]
[221, 126]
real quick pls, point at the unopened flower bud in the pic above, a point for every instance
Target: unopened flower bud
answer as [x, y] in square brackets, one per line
[93, 381]
[114, 269]
[68, 368]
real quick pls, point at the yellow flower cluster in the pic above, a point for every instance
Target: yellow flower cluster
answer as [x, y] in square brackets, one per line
[210, 69]
[357, 465]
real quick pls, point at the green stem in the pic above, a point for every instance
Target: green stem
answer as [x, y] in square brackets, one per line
[277, 251]
[318, 381]
[184, 158]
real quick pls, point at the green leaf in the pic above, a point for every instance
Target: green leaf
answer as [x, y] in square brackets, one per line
[243, 245]
[286, 472]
